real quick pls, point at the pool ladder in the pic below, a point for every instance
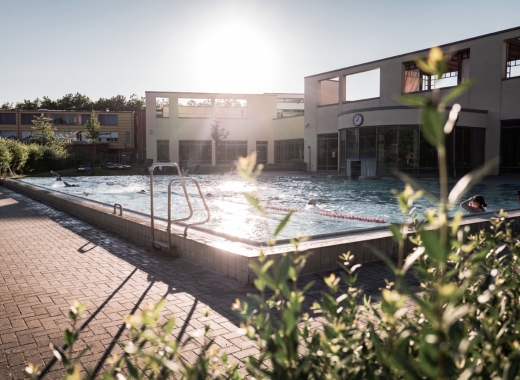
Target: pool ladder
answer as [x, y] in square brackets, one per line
[157, 244]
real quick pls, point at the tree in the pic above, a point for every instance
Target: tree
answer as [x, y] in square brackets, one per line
[44, 131]
[7, 106]
[218, 134]
[92, 132]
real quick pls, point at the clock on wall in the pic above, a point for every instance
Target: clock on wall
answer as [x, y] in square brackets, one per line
[357, 119]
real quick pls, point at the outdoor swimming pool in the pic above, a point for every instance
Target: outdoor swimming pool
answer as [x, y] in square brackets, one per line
[231, 214]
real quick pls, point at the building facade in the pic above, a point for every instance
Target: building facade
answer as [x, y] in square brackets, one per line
[178, 127]
[117, 129]
[357, 125]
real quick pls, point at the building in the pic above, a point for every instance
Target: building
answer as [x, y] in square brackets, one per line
[356, 124]
[116, 140]
[178, 127]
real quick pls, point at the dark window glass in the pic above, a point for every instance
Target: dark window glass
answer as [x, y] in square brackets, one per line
[127, 137]
[27, 118]
[287, 150]
[108, 119]
[7, 118]
[386, 150]
[353, 143]
[8, 134]
[367, 142]
[408, 149]
[229, 151]
[66, 119]
[428, 162]
[328, 151]
[163, 150]
[261, 152]
[195, 152]
[85, 118]
[342, 148]
[513, 58]
[509, 147]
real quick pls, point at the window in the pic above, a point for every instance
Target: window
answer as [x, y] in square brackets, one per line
[231, 108]
[108, 136]
[513, 58]
[328, 91]
[127, 137]
[363, 85]
[287, 150]
[8, 134]
[27, 118]
[66, 119]
[108, 119]
[261, 152]
[85, 118]
[328, 151]
[509, 143]
[352, 143]
[7, 118]
[163, 150]
[228, 151]
[195, 151]
[457, 72]
[66, 137]
[194, 108]
[162, 107]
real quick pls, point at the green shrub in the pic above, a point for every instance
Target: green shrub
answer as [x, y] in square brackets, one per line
[19, 152]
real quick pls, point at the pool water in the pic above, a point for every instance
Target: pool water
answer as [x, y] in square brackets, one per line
[231, 214]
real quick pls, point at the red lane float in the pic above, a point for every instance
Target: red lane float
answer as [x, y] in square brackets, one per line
[331, 215]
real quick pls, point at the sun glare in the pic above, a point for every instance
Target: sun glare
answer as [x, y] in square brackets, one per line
[232, 58]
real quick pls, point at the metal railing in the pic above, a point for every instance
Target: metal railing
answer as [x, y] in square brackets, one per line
[157, 243]
[117, 205]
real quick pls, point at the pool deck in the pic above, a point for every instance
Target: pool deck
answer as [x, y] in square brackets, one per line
[48, 258]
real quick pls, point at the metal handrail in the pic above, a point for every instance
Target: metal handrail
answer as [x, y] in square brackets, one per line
[120, 209]
[150, 170]
[155, 243]
[189, 204]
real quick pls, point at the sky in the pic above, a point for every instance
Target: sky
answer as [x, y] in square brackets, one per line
[109, 47]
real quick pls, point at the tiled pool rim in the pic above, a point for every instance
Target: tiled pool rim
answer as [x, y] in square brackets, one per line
[229, 255]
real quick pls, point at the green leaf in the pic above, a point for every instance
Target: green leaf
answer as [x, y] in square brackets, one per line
[253, 201]
[396, 231]
[412, 100]
[412, 258]
[433, 126]
[282, 224]
[169, 326]
[456, 92]
[69, 337]
[470, 180]
[132, 370]
[432, 245]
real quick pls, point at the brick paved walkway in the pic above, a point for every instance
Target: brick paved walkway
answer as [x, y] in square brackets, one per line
[49, 258]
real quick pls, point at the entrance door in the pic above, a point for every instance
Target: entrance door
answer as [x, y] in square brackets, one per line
[261, 152]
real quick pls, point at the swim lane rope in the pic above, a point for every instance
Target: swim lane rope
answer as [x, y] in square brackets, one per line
[329, 214]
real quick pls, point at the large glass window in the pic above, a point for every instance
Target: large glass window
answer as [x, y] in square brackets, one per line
[408, 149]
[66, 119]
[513, 58]
[7, 118]
[27, 118]
[386, 150]
[108, 119]
[465, 150]
[352, 143]
[287, 150]
[367, 142]
[509, 147]
[8, 134]
[195, 151]
[229, 151]
[428, 161]
[163, 150]
[342, 148]
[328, 151]
[261, 152]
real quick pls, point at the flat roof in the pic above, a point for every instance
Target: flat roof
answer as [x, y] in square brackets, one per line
[414, 52]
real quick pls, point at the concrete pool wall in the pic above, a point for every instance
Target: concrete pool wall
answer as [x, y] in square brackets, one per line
[227, 255]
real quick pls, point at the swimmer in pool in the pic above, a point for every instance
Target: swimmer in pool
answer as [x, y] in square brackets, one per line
[69, 185]
[312, 202]
[86, 193]
[58, 177]
[474, 204]
[142, 192]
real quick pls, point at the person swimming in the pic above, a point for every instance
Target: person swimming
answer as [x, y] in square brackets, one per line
[312, 202]
[474, 204]
[69, 185]
[142, 192]
[58, 177]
